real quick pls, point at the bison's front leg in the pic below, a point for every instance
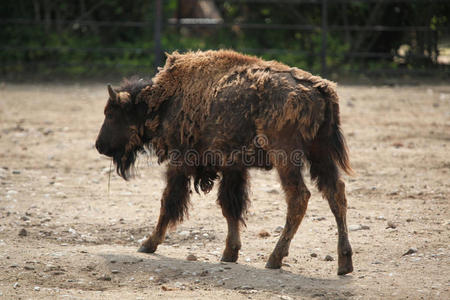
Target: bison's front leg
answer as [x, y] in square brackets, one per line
[233, 200]
[174, 205]
[297, 196]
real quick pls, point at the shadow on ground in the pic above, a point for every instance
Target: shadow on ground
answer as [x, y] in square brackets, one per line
[171, 273]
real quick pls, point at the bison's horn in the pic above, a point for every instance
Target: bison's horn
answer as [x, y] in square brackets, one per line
[111, 92]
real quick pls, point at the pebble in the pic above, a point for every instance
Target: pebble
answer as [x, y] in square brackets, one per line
[104, 278]
[318, 218]
[246, 287]
[313, 254]
[165, 288]
[180, 285]
[220, 282]
[23, 232]
[3, 173]
[16, 285]
[285, 297]
[358, 227]
[391, 224]
[410, 251]
[37, 289]
[191, 257]
[279, 229]
[380, 218]
[263, 234]
[328, 258]
[115, 271]
[354, 227]
[185, 233]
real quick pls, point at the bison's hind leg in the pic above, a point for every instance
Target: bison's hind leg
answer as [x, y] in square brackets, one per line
[297, 196]
[326, 174]
[174, 205]
[233, 199]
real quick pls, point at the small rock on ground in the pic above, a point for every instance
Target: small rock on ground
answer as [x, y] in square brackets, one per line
[279, 229]
[263, 234]
[191, 257]
[391, 224]
[358, 227]
[328, 258]
[410, 251]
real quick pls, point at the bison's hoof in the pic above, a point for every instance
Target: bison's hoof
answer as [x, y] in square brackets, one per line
[345, 269]
[229, 258]
[273, 263]
[230, 255]
[145, 249]
[345, 263]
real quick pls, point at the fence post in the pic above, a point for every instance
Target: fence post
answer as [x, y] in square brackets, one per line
[157, 34]
[323, 53]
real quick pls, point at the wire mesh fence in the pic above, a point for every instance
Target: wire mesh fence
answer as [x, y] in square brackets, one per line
[331, 39]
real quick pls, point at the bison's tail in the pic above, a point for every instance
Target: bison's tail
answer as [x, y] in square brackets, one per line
[328, 151]
[339, 150]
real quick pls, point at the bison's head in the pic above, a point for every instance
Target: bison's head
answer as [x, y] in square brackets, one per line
[122, 134]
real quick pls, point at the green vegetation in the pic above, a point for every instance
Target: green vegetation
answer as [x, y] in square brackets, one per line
[88, 38]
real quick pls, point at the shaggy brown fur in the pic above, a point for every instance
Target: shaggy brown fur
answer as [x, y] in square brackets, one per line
[223, 112]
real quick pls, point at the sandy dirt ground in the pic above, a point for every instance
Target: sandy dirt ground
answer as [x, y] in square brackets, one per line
[62, 236]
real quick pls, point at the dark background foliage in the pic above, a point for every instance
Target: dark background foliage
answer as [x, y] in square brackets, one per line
[86, 38]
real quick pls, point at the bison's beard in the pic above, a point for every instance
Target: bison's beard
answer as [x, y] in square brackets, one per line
[124, 161]
[125, 164]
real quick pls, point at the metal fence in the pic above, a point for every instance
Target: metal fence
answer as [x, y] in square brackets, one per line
[160, 22]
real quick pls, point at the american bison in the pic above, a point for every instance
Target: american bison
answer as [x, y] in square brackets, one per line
[221, 112]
